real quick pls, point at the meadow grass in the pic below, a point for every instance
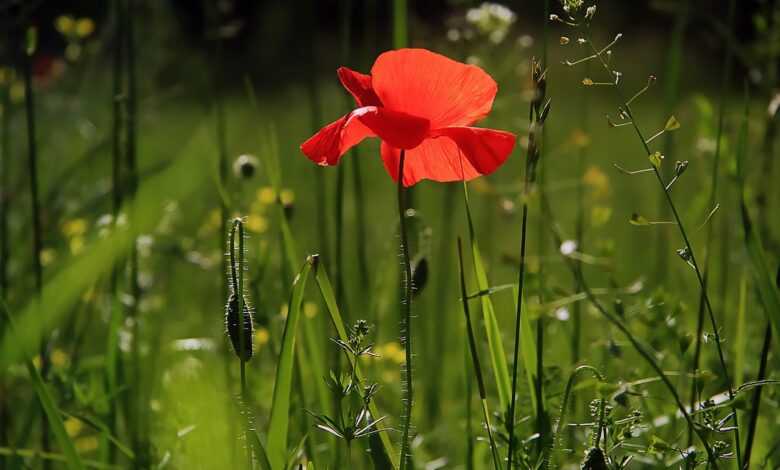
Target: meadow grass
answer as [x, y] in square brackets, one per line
[606, 325]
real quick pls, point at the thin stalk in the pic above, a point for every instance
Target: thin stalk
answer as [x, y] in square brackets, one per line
[516, 353]
[400, 20]
[671, 98]
[361, 224]
[133, 181]
[635, 343]
[725, 74]
[346, 8]
[756, 402]
[116, 204]
[442, 295]
[469, 428]
[475, 359]
[686, 241]
[406, 318]
[32, 169]
[579, 230]
[537, 115]
[541, 425]
[5, 140]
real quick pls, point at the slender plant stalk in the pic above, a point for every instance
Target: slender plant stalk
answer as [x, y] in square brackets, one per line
[475, 359]
[37, 242]
[516, 353]
[542, 426]
[116, 203]
[135, 288]
[576, 339]
[643, 351]
[756, 402]
[400, 22]
[537, 115]
[406, 318]
[763, 222]
[5, 194]
[671, 97]
[725, 74]
[469, 427]
[441, 331]
[681, 228]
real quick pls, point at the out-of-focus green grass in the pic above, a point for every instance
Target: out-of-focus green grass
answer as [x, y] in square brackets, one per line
[189, 392]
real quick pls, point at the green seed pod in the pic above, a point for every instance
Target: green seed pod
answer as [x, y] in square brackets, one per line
[234, 331]
[419, 275]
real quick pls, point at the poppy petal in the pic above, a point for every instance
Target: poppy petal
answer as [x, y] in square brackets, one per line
[332, 141]
[451, 154]
[430, 85]
[398, 129]
[359, 86]
[485, 149]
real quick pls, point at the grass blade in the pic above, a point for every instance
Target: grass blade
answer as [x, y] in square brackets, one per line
[72, 459]
[497, 355]
[280, 406]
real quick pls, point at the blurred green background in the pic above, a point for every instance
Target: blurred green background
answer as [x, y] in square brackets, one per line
[199, 64]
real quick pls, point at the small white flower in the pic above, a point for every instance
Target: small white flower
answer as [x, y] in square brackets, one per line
[568, 247]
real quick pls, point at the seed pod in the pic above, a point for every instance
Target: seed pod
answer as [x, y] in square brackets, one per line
[595, 460]
[233, 330]
[419, 275]
[245, 166]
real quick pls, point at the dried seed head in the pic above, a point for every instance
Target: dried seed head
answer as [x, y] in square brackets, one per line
[564, 40]
[419, 275]
[680, 167]
[237, 328]
[245, 166]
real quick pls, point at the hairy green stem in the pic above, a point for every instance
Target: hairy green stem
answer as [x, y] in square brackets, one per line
[237, 275]
[406, 318]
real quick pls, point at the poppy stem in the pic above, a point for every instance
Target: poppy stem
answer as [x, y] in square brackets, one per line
[406, 319]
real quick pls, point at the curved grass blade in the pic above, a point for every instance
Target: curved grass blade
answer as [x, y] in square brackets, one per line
[260, 453]
[280, 406]
[72, 459]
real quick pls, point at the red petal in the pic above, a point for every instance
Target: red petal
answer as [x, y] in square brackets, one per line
[429, 85]
[332, 141]
[400, 130]
[454, 154]
[359, 85]
[485, 149]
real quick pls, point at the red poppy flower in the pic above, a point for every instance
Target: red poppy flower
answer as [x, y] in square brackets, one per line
[423, 103]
